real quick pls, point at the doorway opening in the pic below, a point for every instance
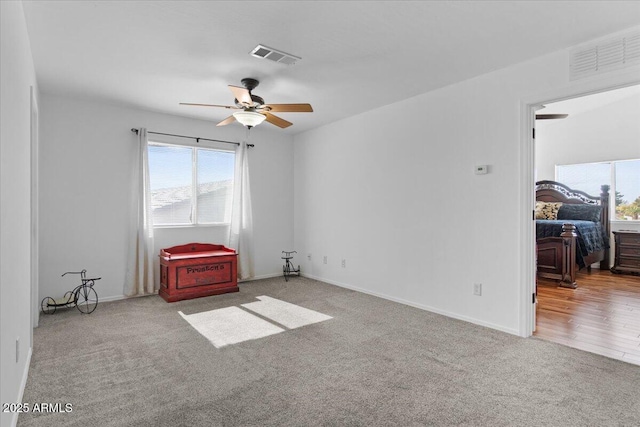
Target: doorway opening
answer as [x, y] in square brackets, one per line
[595, 144]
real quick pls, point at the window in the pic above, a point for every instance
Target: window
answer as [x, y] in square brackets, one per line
[623, 177]
[190, 185]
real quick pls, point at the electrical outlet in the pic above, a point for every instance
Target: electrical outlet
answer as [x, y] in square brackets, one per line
[309, 257]
[344, 263]
[477, 289]
[324, 259]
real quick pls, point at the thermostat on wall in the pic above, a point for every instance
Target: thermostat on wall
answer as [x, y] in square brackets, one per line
[482, 169]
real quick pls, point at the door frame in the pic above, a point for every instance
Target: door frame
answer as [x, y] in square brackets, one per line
[528, 106]
[34, 265]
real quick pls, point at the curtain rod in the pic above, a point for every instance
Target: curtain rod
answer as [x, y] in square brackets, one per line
[134, 130]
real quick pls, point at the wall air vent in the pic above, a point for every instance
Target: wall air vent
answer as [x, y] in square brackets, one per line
[274, 55]
[605, 55]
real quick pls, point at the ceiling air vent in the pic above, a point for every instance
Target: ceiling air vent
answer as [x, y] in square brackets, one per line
[605, 55]
[274, 55]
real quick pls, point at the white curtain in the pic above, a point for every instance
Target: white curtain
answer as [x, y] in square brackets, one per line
[241, 227]
[139, 279]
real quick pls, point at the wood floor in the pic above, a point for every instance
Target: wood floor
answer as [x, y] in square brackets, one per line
[601, 316]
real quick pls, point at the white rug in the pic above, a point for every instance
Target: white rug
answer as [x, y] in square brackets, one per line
[230, 325]
[289, 315]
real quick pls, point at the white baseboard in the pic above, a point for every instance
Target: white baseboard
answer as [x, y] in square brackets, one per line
[115, 298]
[417, 305]
[121, 297]
[23, 384]
[264, 276]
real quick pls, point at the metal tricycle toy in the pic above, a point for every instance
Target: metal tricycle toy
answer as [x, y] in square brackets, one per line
[83, 296]
[288, 269]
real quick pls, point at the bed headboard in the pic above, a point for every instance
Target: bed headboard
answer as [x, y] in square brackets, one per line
[552, 191]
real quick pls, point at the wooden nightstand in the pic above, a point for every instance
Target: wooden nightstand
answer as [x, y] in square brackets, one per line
[627, 260]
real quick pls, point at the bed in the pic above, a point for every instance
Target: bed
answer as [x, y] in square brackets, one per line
[572, 231]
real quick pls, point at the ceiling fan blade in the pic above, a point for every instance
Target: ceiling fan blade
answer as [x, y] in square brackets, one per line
[275, 120]
[227, 121]
[210, 105]
[241, 94]
[290, 108]
[551, 116]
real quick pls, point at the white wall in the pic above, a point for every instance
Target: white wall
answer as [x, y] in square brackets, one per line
[85, 167]
[393, 192]
[608, 132]
[17, 76]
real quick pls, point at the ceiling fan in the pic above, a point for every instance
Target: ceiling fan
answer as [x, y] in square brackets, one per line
[252, 108]
[551, 116]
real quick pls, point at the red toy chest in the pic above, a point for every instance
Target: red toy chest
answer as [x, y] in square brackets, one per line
[197, 270]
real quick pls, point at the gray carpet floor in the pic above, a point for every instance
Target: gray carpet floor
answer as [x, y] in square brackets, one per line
[137, 362]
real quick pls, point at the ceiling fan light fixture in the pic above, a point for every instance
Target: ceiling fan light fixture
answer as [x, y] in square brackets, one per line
[249, 118]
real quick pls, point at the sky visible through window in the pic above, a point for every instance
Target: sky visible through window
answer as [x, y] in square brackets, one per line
[589, 177]
[628, 179]
[170, 166]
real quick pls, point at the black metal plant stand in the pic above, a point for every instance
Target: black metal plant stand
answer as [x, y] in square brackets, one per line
[288, 269]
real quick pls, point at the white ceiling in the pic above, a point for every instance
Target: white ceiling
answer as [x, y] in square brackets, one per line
[356, 55]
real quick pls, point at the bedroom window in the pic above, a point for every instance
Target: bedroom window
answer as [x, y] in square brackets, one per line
[190, 185]
[623, 176]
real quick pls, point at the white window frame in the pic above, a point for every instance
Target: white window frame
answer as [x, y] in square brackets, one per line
[194, 187]
[612, 189]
